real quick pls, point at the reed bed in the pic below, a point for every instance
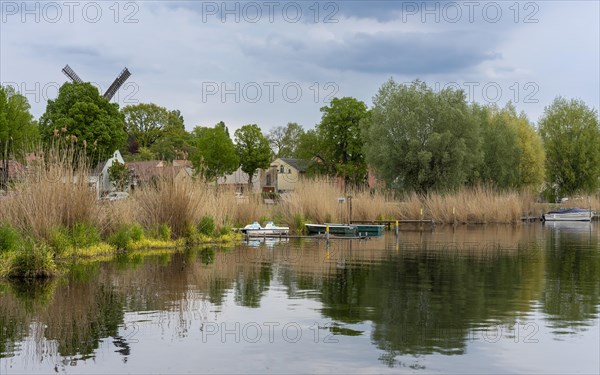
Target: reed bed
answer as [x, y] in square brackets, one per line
[54, 192]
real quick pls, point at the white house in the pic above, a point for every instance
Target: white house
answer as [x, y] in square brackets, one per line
[99, 176]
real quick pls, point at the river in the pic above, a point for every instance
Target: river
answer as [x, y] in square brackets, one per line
[483, 299]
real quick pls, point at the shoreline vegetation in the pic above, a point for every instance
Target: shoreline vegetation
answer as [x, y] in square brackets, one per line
[52, 215]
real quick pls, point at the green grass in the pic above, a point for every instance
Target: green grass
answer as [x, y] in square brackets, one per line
[9, 238]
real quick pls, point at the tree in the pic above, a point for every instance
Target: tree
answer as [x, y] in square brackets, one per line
[284, 140]
[571, 135]
[18, 130]
[17, 126]
[145, 122]
[85, 116]
[216, 155]
[341, 144]
[118, 174]
[500, 147]
[420, 140]
[253, 150]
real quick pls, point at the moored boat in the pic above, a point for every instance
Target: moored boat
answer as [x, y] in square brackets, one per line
[569, 214]
[370, 229]
[340, 229]
[270, 229]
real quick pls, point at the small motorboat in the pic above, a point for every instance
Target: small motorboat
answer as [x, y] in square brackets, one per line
[270, 229]
[569, 214]
[339, 229]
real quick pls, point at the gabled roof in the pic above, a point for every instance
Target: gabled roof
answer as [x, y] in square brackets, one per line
[299, 164]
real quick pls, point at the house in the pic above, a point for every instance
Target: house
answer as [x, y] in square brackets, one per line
[99, 179]
[283, 174]
[238, 181]
[11, 170]
[149, 172]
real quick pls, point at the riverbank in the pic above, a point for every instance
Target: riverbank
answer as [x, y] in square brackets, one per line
[52, 213]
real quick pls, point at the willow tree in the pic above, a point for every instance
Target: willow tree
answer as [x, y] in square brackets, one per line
[420, 140]
[571, 135]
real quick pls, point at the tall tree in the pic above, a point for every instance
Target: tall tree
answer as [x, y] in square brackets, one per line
[571, 135]
[340, 139]
[253, 150]
[421, 140]
[81, 112]
[500, 147]
[284, 140]
[18, 130]
[216, 155]
[145, 122]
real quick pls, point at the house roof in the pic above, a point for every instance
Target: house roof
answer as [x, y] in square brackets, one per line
[145, 170]
[299, 164]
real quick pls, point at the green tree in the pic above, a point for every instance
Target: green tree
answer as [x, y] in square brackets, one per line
[145, 122]
[80, 111]
[533, 156]
[284, 140]
[216, 155]
[341, 144]
[17, 126]
[571, 135]
[500, 146]
[421, 140]
[253, 150]
[18, 130]
[118, 174]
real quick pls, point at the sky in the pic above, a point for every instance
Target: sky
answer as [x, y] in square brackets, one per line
[274, 62]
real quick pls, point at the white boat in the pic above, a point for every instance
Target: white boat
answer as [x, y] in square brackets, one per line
[270, 229]
[569, 214]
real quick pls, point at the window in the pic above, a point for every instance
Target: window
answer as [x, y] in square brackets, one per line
[281, 169]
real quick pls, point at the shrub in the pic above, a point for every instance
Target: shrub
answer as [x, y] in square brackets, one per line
[136, 232]
[206, 226]
[121, 238]
[164, 232]
[32, 261]
[85, 235]
[58, 239]
[9, 238]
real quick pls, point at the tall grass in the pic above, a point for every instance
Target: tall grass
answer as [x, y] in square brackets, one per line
[53, 192]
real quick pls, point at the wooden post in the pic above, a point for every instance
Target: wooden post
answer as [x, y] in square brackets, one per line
[396, 228]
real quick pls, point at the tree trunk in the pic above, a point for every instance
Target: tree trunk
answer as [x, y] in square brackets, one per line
[250, 176]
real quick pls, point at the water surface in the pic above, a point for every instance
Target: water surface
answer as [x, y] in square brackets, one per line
[494, 299]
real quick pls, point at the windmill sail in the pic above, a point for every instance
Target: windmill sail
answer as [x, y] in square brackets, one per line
[71, 74]
[119, 81]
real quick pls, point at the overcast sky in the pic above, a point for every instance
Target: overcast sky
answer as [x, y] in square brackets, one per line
[274, 62]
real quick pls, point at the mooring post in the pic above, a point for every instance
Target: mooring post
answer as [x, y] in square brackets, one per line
[327, 233]
[397, 230]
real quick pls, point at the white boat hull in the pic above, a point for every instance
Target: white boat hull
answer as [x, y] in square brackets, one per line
[574, 216]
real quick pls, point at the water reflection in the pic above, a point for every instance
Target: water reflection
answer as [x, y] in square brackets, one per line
[395, 301]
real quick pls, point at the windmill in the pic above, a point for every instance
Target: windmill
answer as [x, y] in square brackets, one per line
[112, 89]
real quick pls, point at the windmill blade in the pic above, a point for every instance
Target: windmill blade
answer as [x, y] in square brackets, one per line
[119, 81]
[71, 74]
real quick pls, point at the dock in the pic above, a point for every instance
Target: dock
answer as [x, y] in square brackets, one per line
[389, 224]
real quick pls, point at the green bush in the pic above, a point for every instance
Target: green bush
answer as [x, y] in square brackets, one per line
[121, 238]
[59, 240]
[85, 235]
[164, 232]
[136, 232]
[206, 226]
[32, 261]
[9, 238]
